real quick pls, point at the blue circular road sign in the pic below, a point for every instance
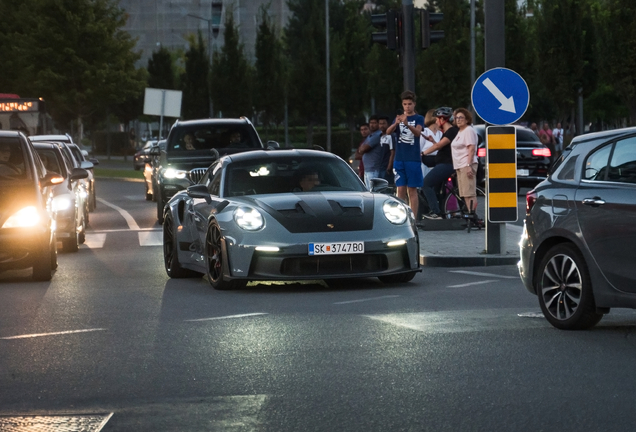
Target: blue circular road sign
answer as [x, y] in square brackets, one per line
[500, 96]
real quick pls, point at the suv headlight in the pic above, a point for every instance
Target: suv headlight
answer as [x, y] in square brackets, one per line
[171, 173]
[248, 218]
[26, 217]
[394, 211]
[62, 202]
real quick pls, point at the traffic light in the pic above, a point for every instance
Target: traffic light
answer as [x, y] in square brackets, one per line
[390, 22]
[428, 20]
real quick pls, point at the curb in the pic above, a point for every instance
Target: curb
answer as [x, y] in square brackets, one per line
[467, 261]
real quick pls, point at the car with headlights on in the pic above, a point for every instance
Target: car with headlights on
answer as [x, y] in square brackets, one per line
[88, 164]
[69, 197]
[533, 157]
[192, 146]
[142, 156]
[27, 224]
[287, 215]
[578, 246]
[151, 170]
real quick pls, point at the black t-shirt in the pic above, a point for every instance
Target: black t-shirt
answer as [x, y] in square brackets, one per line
[445, 155]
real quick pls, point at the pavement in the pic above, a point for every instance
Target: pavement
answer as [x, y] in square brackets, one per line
[443, 245]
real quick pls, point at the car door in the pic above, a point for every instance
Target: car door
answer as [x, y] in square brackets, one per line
[199, 209]
[606, 210]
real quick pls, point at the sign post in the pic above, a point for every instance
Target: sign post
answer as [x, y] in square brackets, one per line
[162, 103]
[500, 97]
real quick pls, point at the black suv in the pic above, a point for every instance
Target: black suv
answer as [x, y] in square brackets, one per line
[27, 227]
[191, 148]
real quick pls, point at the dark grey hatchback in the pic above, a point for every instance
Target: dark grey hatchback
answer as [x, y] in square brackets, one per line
[578, 248]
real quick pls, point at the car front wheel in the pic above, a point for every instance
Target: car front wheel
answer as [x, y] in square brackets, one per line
[564, 289]
[214, 260]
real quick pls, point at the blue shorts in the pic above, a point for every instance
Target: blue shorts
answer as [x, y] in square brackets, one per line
[408, 173]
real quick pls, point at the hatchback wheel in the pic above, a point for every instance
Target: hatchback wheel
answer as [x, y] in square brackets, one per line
[214, 260]
[564, 289]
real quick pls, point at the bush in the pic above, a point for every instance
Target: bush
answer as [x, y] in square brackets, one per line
[119, 143]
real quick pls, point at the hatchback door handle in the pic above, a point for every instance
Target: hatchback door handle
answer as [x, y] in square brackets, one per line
[594, 202]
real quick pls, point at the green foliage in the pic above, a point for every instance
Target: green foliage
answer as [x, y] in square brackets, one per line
[196, 101]
[231, 83]
[269, 82]
[161, 73]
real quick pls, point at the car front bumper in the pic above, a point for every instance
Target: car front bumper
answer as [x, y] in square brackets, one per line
[19, 247]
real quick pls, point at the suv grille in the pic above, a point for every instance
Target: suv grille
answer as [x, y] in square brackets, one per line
[196, 174]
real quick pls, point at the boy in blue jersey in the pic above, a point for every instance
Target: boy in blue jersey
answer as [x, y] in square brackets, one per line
[407, 164]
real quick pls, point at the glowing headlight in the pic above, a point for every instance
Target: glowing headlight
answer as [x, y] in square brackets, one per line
[62, 202]
[248, 218]
[27, 217]
[83, 193]
[394, 211]
[171, 173]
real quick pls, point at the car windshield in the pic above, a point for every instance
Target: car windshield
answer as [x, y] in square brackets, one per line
[12, 166]
[290, 175]
[213, 136]
[50, 161]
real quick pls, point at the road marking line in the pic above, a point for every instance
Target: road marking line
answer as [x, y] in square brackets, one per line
[364, 300]
[124, 230]
[95, 241]
[483, 274]
[227, 317]
[53, 333]
[152, 238]
[471, 283]
[531, 315]
[129, 219]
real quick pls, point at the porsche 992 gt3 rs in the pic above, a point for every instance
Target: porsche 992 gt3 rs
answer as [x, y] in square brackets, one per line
[287, 215]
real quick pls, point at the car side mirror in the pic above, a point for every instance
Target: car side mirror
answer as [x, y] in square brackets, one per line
[273, 145]
[79, 173]
[86, 165]
[199, 191]
[379, 185]
[51, 178]
[154, 151]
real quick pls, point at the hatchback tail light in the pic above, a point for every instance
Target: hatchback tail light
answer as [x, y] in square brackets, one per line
[545, 152]
[481, 152]
[531, 199]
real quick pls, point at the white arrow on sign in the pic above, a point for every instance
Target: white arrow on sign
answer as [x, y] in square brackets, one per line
[507, 104]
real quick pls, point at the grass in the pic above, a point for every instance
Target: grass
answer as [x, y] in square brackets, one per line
[118, 173]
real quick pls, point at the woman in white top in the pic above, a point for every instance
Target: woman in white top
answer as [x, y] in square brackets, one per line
[430, 136]
[464, 150]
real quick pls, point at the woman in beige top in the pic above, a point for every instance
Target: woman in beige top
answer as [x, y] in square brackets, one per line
[464, 149]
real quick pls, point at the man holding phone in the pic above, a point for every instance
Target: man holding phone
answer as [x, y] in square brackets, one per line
[407, 162]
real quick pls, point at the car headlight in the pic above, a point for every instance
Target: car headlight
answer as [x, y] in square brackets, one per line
[171, 173]
[394, 212]
[62, 202]
[26, 217]
[248, 218]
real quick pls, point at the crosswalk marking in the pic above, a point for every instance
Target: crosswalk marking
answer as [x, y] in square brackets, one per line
[150, 238]
[95, 241]
[472, 283]
[474, 273]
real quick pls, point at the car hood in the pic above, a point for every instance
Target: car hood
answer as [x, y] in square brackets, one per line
[319, 211]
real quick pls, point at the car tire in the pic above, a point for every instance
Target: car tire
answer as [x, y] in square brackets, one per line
[43, 265]
[71, 244]
[170, 256]
[54, 254]
[92, 200]
[148, 196]
[214, 260]
[398, 278]
[565, 293]
[81, 236]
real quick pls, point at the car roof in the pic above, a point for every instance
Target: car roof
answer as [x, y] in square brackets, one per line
[64, 138]
[9, 133]
[261, 154]
[603, 135]
[44, 145]
[228, 121]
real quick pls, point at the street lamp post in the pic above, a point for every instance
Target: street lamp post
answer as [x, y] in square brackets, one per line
[209, 21]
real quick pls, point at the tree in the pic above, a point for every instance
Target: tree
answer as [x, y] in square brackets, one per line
[617, 49]
[231, 82]
[161, 74]
[196, 99]
[80, 57]
[269, 83]
[305, 42]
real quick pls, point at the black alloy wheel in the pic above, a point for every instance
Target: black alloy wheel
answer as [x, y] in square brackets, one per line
[214, 260]
[170, 255]
[160, 205]
[564, 289]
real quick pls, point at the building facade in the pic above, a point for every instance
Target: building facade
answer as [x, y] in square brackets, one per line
[157, 23]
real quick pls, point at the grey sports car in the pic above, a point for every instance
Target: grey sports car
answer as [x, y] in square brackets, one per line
[287, 215]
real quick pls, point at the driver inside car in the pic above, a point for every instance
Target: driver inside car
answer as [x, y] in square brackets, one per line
[7, 168]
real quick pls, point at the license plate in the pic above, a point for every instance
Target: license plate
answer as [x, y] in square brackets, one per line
[336, 248]
[523, 172]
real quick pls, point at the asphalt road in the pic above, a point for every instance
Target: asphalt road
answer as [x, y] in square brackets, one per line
[457, 349]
